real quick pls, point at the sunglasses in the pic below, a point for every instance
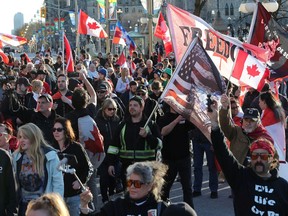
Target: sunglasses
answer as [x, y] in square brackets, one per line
[234, 108]
[141, 94]
[111, 109]
[136, 183]
[263, 156]
[101, 92]
[57, 129]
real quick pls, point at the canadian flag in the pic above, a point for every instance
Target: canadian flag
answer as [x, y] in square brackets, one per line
[122, 60]
[89, 26]
[68, 55]
[162, 32]
[250, 71]
[5, 58]
[12, 40]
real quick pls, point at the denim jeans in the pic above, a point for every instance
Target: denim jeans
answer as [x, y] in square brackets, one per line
[198, 154]
[73, 205]
[183, 167]
[92, 184]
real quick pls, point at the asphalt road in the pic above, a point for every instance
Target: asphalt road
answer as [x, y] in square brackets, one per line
[204, 205]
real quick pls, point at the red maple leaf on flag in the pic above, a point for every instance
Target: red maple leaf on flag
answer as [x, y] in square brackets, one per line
[94, 145]
[93, 25]
[253, 71]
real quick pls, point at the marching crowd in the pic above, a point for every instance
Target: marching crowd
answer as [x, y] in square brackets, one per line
[47, 168]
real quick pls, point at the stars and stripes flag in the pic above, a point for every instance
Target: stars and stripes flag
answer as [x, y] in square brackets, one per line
[90, 26]
[68, 55]
[194, 78]
[122, 37]
[12, 40]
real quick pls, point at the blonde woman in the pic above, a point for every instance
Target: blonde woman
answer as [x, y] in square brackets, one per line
[123, 81]
[35, 163]
[50, 204]
[32, 97]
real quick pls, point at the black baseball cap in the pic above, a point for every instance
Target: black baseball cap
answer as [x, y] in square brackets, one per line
[142, 88]
[251, 113]
[181, 209]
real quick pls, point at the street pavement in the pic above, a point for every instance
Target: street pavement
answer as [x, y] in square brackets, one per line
[204, 205]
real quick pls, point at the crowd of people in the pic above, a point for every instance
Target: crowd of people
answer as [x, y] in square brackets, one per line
[48, 168]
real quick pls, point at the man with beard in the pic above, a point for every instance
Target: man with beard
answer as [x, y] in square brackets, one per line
[132, 142]
[258, 190]
[241, 136]
[63, 97]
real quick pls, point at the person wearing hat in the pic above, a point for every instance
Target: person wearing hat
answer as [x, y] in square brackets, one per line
[166, 75]
[150, 103]
[43, 116]
[102, 72]
[241, 136]
[159, 66]
[132, 142]
[41, 75]
[257, 189]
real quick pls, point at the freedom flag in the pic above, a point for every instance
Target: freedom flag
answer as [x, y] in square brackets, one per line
[266, 33]
[89, 26]
[68, 55]
[162, 32]
[250, 71]
[122, 37]
[12, 40]
[194, 78]
[184, 27]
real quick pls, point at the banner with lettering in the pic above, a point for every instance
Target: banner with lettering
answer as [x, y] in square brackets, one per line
[184, 27]
[266, 33]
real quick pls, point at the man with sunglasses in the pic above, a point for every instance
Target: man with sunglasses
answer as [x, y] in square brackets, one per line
[257, 189]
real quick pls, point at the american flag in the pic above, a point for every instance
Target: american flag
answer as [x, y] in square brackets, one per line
[194, 78]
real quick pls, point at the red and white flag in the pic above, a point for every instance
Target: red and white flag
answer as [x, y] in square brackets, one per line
[162, 32]
[250, 71]
[12, 40]
[184, 27]
[68, 56]
[90, 26]
[276, 130]
[194, 78]
[5, 58]
[122, 60]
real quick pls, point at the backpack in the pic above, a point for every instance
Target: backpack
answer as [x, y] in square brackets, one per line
[92, 140]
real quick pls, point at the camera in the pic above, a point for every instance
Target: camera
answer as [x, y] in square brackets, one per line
[6, 79]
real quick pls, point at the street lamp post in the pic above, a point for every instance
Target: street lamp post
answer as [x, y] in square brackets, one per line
[248, 6]
[150, 26]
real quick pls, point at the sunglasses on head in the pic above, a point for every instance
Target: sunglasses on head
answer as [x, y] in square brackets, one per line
[263, 156]
[136, 183]
[57, 129]
[111, 109]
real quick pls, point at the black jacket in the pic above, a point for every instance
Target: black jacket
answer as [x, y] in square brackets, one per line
[8, 199]
[126, 206]
[253, 195]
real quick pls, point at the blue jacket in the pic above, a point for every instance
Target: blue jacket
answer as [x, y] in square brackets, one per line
[53, 181]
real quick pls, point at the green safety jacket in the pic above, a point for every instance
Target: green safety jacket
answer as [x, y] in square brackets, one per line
[129, 145]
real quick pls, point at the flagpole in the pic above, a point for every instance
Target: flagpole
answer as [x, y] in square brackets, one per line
[151, 115]
[63, 49]
[77, 32]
